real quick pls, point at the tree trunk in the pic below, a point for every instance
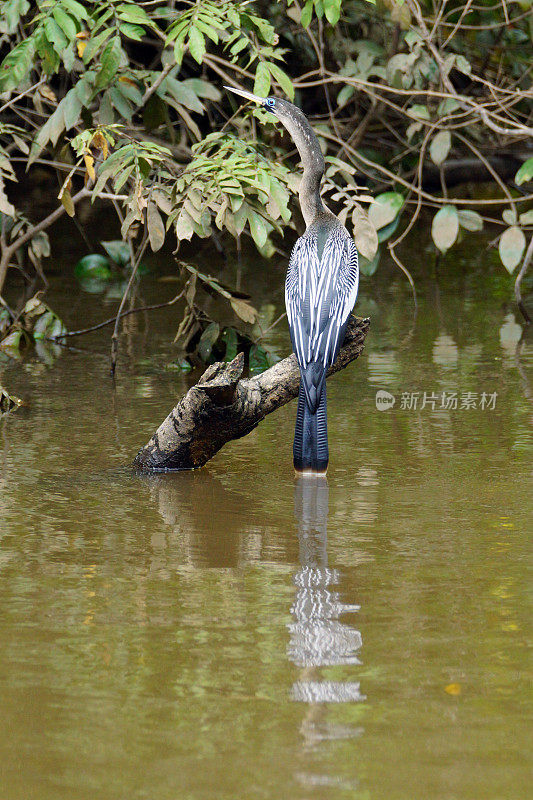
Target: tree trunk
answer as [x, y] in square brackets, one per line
[223, 406]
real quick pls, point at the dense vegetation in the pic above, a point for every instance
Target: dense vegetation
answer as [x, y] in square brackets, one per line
[123, 100]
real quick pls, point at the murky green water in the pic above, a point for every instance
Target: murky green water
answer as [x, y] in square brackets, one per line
[201, 636]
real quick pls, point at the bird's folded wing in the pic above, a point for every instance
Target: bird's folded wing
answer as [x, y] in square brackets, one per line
[319, 296]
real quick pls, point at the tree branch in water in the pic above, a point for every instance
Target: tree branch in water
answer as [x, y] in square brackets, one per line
[223, 406]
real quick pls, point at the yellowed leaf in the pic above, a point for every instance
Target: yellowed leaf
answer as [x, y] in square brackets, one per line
[48, 93]
[100, 142]
[129, 81]
[80, 47]
[453, 689]
[89, 164]
[68, 205]
[244, 310]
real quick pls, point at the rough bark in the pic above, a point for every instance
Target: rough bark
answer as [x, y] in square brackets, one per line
[223, 406]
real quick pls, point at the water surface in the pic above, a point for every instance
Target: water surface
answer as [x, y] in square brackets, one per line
[227, 633]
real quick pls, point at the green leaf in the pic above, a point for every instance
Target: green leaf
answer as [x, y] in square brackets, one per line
[440, 147]
[388, 230]
[12, 343]
[413, 128]
[207, 341]
[447, 106]
[419, 112]
[197, 45]
[110, 62]
[526, 218]
[44, 325]
[307, 14]
[345, 94]
[509, 216]
[182, 365]
[64, 117]
[257, 359]
[202, 88]
[525, 173]
[470, 220]
[12, 11]
[131, 12]
[229, 336]
[262, 80]
[156, 228]
[385, 209]
[76, 9]
[463, 65]
[65, 22]
[135, 32]
[118, 251]
[8, 401]
[94, 44]
[332, 10]
[283, 79]
[258, 228]
[445, 227]
[511, 247]
[16, 65]
[119, 102]
[93, 266]
[183, 93]
[55, 35]
[369, 267]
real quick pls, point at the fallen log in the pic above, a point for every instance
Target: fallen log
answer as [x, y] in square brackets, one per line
[223, 406]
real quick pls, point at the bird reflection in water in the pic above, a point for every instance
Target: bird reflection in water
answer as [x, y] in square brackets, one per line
[317, 637]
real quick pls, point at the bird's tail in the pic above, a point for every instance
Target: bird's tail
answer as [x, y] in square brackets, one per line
[310, 448]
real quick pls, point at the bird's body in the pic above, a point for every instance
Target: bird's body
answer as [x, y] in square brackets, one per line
[320, 291]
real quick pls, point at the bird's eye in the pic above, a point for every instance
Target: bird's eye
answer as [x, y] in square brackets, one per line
[270, 102]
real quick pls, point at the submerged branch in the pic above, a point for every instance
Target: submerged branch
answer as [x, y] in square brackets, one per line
[223, 406]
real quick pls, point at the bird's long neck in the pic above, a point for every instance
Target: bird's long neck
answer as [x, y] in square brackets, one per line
[313, 167]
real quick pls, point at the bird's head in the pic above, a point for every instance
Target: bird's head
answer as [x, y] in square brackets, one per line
[296, 123]
[286, 112]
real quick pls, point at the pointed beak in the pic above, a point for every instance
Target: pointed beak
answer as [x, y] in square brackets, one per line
[247, 95]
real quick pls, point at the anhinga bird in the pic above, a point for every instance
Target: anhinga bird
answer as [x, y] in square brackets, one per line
[320, 290]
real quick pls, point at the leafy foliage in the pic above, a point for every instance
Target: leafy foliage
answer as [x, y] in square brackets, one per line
[231, 184]
[8, 402]
[123, 99]
[37, 324]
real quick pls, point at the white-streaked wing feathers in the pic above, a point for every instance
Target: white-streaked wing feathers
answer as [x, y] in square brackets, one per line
[319, 296]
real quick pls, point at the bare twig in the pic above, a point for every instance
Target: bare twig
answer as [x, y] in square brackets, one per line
[135, 266]
[518, 282]
[112, 320]
[10, 250]
[406, 273]
[157, 83]
[22, 94]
